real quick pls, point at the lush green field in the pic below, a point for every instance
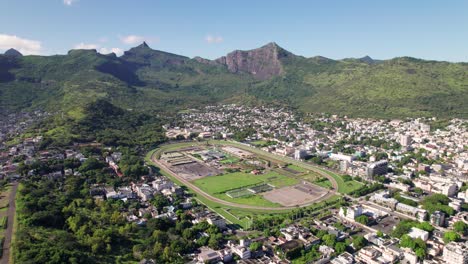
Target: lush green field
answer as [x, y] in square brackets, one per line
[325, 184]
[229, 160]
[345, 187]
[222, 183]
[256, 200]
[259, 142]
[296, 168]
[236, 215]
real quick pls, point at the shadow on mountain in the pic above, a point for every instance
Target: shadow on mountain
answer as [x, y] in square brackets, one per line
[7, 64]
[121, 72]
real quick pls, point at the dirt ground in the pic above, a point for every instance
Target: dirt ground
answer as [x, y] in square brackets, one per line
[295, 195]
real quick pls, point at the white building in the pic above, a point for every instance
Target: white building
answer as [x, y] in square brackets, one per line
[241, 250]
[405, 140]
[418, 233]
[217, 221]
[344, 258]
[456, 253]
[449, 189]
[351, 212]
[343, 157]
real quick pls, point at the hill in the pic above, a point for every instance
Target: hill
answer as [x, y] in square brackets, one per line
[154, 81]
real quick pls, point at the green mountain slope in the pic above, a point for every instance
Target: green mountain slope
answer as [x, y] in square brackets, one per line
[149, 80]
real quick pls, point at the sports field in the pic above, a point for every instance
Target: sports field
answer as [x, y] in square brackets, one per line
[211, 190]
[222, 183]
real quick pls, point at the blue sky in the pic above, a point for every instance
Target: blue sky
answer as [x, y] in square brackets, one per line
[336, 29]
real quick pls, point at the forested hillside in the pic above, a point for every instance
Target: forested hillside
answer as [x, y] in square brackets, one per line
[148, 80]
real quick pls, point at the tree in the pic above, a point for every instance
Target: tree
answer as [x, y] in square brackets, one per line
[213, 242]
[407, 242]
[160, 236]
[340, 247]
[359, 242]
[380, 233]
[451, 236]
[420, 253]
[189, 234]
[403, 227]
[362, 219]
[254, 246]
[71, 164]
[461, 227]
[159, 201]
[329, 239]
[425, 226]
[437, 202]
[90, 164]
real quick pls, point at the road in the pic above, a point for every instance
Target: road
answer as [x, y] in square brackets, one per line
[9, 230]
[244, 206]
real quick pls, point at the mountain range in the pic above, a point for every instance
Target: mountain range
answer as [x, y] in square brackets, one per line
[153, 81]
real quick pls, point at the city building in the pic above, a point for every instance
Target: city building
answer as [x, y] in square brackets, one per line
[343, 258]
[351, 212]
[438, 218]
[216, 220]
[342, 157]
[456, 253]
[300, 154]
[377, 168]
[418, 233]
[405, 140]
[445, 188]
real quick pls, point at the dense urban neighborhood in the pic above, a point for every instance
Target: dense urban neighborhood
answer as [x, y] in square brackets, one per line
[239, 184]
[246, 132]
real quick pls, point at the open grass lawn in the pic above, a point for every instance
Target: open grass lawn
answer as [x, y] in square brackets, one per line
[311, 177]
[236, 215]
[296, 168]
[345, 187]
[256, 200]
[222, 183]
[259, 142]
[229, 160]
[325, 184]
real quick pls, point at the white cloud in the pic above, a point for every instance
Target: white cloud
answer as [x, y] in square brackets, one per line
[25, 46]
[136, 39]
[213, 39]
[102, 50]
[86, 46]
[117, 51]
[69, 2]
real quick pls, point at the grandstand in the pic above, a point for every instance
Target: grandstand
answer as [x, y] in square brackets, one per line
[264, 187]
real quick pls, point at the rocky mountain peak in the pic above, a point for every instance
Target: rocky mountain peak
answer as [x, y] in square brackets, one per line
[263, 63]
[143, 45]
[13, 53]
[367, 59]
